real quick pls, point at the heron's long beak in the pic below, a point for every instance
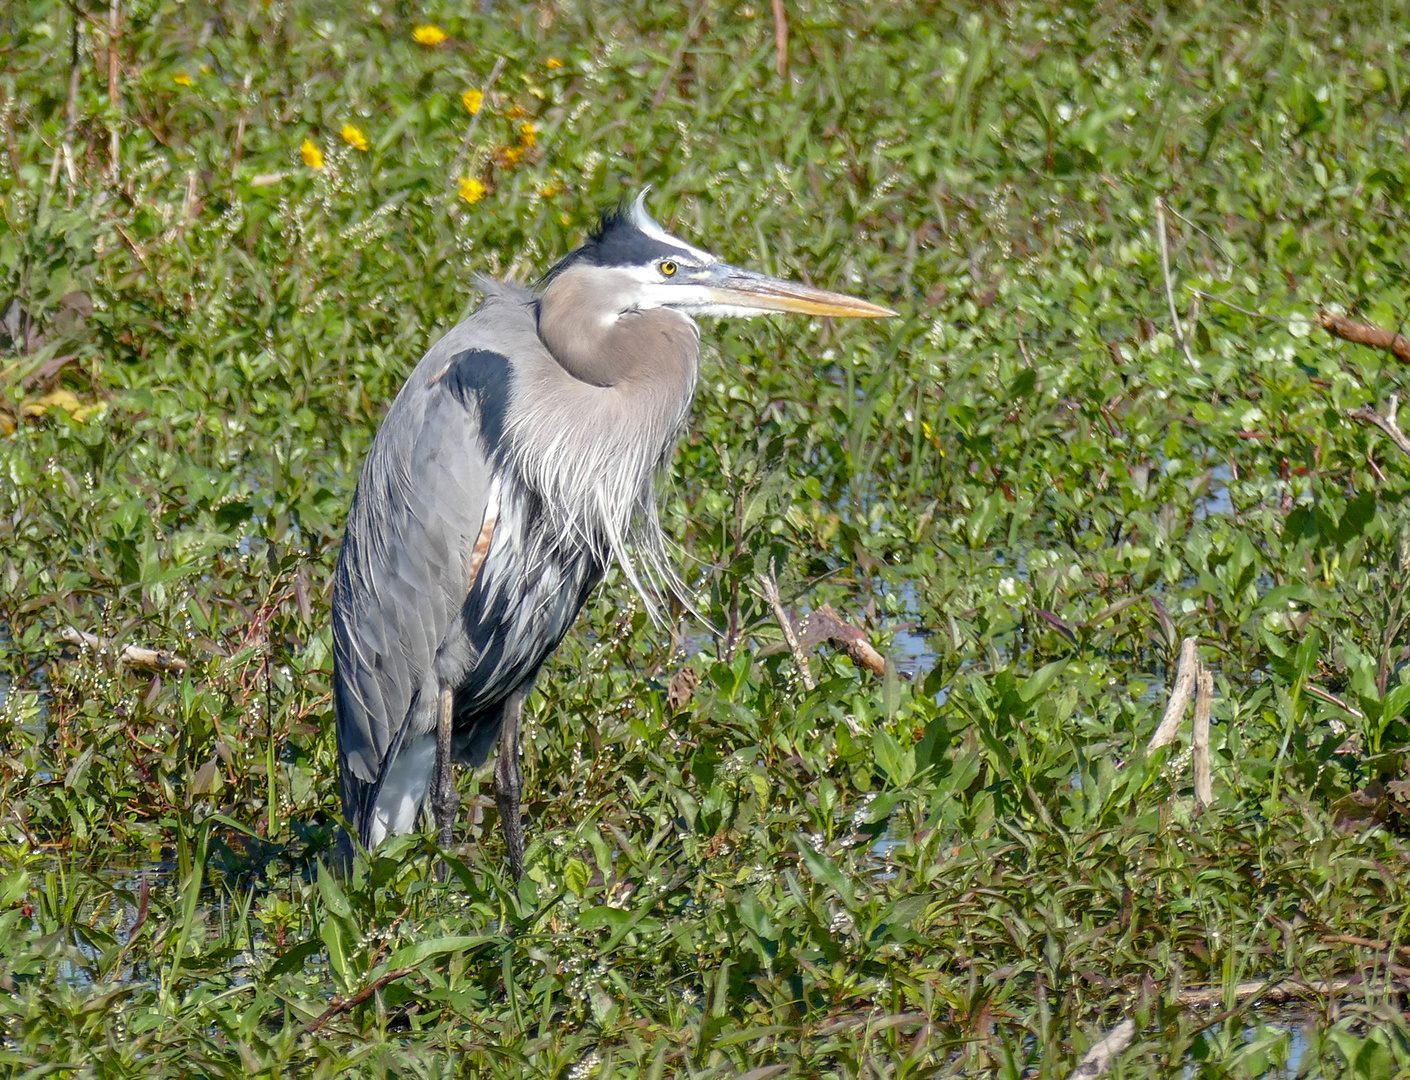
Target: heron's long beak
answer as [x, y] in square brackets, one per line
[731, 287]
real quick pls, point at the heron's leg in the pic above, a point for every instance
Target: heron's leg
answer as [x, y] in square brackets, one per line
[509, 781]
[445, 800]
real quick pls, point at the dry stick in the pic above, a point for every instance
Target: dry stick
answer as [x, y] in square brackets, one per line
[1186, 675]
[1386, 423]
[342, 1004]
[114, 148]
[769, 584]
[1332, 699]
[1099, 1058]
[240, 127]
[1204, 696]
[64, 153]
[475, 120]
[1364, 334]
[780, 39]
[1274, 992]
[136, 656]
[679, 55]
[1402, 951]
[1169, 286]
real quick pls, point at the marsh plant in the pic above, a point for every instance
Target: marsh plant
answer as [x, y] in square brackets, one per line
[227, 232]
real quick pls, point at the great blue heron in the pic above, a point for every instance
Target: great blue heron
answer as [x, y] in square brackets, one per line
[517, 462]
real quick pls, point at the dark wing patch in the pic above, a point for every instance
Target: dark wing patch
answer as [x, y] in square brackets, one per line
[479, 379]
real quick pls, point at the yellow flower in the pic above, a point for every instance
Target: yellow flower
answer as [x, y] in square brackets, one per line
[354, 137]
[313, 156]
[472, 99]
[181, 79]
[553, 63]
[471, 190]
[430, 34]
[527, 135]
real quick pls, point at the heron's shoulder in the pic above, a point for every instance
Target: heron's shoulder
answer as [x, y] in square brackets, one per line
[508, 293]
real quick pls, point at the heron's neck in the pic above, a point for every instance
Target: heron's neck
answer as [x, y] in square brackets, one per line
[595, 417]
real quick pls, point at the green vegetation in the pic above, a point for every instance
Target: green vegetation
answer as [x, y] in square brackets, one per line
[975, 870]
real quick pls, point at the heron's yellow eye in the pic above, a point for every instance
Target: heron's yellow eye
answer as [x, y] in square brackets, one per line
[668, 268]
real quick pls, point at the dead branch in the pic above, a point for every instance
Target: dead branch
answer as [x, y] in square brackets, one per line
[1364, 334]
[1204, 697]
[768, 583]
[1186, 675]
[679, 55]
[824, 624]
[1099, 1058]
[1385, 422]
[780, 38]
[343, 1004]
[1332, 699]
[1275, 992]
[135, 656]
[1402, 951]
[1169, 284]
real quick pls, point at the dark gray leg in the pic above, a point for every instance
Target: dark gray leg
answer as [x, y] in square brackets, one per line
[509, 780]
[445, 800]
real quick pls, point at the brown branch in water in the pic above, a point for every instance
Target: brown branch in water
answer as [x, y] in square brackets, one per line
[1103, 1052]
[136, 656]
[343, 1004]
[824, 624]
[1364, 334]
[1275, 991]
[1385, 422]
[780, 39]
[768, 583]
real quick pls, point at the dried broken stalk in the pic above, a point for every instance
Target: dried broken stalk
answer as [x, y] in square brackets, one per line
[135, 656]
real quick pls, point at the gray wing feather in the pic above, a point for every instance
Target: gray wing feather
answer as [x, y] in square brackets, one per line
[401, 578]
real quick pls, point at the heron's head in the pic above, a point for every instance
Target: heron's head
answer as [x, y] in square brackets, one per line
[630, 263]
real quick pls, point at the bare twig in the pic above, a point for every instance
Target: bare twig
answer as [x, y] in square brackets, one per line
[769, 584]
[1169, 285]
[240, 125]
[1402, 951]
[114, 147]
[64, 152]
[1385, 422]
[132, 245]
[343, 1004]
[824, 624]
[676, 57]
[780, 39]
[1204, 696]
[475, 121]
[1222, 302]
[136, 656]
[1273, 991]
[1103, 1052]
[1332, 699]
[1364, 334]
[1186, 674]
